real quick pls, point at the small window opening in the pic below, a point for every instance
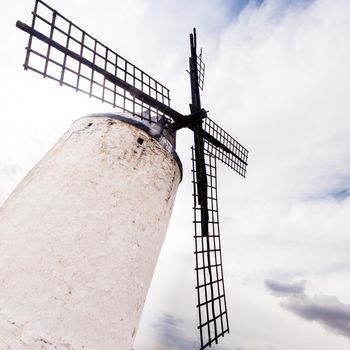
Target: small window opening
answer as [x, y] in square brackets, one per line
[140, 140]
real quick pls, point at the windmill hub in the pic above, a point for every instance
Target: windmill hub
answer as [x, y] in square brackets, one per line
[190, 120]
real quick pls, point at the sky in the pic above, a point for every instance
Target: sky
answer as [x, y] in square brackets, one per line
[278, 80]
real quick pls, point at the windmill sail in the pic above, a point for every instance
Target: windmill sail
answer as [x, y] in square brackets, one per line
[201, 70]
[211, 303]
[60, 50]
[211, 142]
[225, 147]
[211, 300]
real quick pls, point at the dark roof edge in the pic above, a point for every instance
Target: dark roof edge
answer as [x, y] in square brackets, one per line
[138, 123]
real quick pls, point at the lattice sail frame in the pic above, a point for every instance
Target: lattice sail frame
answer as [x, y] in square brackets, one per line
[201, 70]
[211, 299]
[234, 156]
[50, 62]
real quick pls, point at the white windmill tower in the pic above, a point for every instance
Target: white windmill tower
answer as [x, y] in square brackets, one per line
[80, 236]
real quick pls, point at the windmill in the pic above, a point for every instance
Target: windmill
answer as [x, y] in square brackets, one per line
[60, 50]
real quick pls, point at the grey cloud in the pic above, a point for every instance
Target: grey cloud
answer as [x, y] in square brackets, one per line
[266, 347]
[328, 311]
[341, 195]
[282, 288]
[174, 335]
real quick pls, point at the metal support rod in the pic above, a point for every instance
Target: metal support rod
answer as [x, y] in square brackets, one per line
[198, 137]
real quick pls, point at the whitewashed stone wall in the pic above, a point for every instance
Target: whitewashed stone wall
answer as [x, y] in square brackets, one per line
[80, 237]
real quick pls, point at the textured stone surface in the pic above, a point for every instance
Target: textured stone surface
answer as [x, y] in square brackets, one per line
[80, 237]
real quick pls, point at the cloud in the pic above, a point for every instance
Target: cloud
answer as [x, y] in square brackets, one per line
[280, 288]
[171, 333]
[326, 310]
[342, 194]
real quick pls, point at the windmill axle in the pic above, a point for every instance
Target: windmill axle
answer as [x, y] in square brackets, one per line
[190, 120]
